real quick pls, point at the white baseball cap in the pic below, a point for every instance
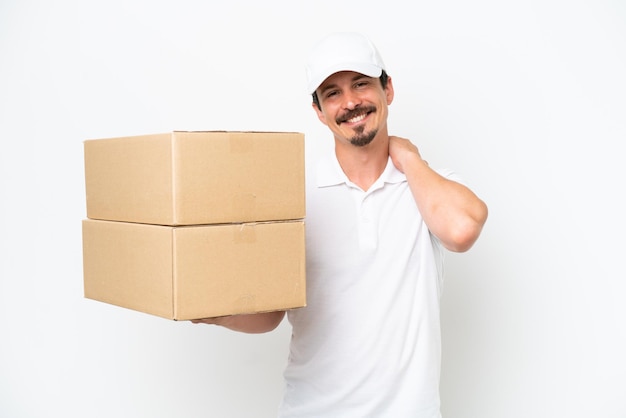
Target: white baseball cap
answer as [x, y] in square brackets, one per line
[342, 51]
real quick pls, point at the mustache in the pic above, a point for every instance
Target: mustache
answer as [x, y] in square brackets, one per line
[349, 114]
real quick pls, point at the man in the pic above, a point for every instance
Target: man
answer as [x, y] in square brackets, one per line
[378, 219]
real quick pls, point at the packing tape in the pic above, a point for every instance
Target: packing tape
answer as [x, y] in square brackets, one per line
[245, 205]
[246, 303]
[245, 234]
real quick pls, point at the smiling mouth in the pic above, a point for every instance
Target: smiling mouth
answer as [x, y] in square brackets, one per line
[358, 118]
[356, 115]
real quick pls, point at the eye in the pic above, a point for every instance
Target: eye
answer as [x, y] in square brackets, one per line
[332, 93]
[361, 84]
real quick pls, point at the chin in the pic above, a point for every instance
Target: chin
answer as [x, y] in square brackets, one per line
[363, 139]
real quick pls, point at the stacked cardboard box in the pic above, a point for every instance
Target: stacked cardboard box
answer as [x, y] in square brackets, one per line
[188, 225]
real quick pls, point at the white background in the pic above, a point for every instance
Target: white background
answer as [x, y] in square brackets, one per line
[526, 100]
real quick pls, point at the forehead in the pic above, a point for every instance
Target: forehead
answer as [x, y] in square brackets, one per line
[340, 77]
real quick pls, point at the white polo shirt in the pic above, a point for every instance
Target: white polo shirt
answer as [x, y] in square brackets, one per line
[368, 344]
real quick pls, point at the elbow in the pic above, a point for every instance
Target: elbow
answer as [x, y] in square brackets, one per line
[465, 234]
[462, 243]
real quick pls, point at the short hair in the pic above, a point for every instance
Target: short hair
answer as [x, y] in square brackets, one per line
[384, 77]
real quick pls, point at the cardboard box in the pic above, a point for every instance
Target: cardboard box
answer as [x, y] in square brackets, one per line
[192, 178]
[193, 272]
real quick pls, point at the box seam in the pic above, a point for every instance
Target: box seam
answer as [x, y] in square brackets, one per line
[173, 169]
[174, 266]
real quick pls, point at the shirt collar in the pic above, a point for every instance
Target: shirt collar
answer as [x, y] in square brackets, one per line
[329, 173]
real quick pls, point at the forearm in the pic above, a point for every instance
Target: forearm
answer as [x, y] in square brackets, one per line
[251, 323]
[452, 211]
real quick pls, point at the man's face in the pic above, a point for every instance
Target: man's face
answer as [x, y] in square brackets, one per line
[354, 106]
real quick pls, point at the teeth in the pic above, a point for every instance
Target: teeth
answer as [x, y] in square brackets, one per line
[357, 118]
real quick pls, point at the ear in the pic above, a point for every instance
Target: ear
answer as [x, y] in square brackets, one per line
[320, 114]
[389, 91]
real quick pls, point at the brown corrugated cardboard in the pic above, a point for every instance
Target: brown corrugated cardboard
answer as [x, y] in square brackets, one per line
[193, 272]
[192, 178]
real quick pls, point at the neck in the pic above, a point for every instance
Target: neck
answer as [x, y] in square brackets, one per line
[363, 165]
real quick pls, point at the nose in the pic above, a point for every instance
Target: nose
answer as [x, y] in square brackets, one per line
[351, 100]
